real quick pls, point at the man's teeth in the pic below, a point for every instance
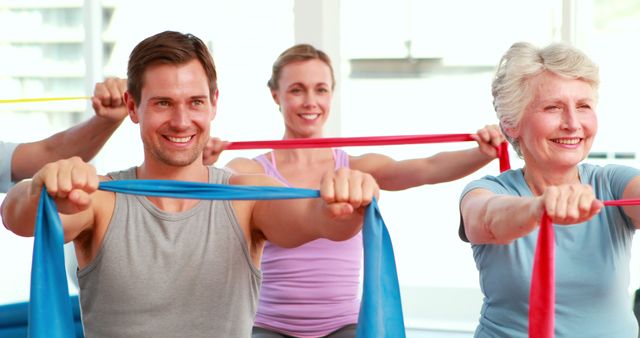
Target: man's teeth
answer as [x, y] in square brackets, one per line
[568, 141]
[309, 116]
[179, 139]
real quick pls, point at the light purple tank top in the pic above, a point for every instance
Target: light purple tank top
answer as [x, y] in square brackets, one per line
[314, 289]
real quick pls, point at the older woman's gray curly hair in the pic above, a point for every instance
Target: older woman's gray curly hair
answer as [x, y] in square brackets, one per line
[511, 87]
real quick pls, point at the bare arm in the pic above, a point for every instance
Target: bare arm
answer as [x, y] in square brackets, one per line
[489, 218]
[84, 140]
[400, 175]
[338, 215]
[442, 167]
[70, 182]
[497, 219]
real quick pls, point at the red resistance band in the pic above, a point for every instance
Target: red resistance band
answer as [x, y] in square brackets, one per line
[542, 296]
[503, 153]
[543, 293]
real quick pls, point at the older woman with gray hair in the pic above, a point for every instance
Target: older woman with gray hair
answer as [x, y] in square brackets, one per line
[545, 99]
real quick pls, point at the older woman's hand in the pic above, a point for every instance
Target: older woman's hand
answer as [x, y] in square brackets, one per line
[569, 203]
[489, 139]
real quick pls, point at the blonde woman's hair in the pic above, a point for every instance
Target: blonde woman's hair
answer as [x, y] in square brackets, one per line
[298, 53]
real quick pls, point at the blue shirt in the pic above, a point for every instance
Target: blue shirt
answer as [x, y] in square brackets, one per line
[592, 265]
[6, 153]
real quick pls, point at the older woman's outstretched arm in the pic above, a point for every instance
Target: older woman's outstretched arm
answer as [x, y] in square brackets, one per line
[489, 218]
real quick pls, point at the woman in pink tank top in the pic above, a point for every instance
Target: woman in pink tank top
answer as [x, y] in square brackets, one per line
[313, 290]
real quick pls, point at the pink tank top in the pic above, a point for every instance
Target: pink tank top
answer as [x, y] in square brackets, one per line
[314, 289]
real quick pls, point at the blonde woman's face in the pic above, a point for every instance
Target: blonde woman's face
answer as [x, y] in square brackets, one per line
[304, 95]
[558, 126]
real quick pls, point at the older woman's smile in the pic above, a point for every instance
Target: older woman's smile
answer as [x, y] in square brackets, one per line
[567, 141]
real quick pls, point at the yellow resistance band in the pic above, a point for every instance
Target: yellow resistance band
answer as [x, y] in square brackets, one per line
[45, 99]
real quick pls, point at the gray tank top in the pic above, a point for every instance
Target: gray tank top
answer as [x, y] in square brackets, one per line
[161, 274]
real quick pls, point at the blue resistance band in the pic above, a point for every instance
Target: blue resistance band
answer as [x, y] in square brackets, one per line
[50, 312]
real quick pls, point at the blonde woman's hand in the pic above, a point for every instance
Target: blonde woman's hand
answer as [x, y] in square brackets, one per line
[489, 139]
[212, 150]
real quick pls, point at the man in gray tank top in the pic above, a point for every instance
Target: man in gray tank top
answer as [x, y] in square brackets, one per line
[164, 267]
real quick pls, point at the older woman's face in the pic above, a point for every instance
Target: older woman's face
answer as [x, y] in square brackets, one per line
[558, 126]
